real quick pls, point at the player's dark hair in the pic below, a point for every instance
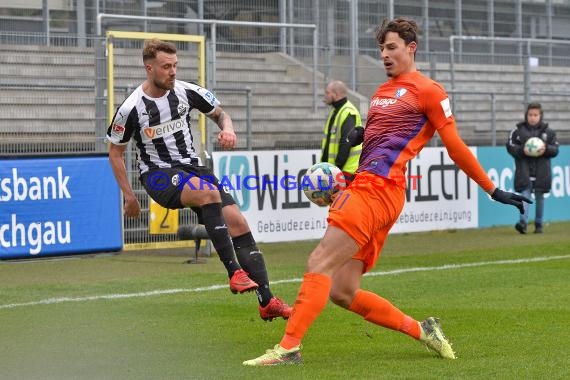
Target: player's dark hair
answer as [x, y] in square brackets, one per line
[533, 106]
[407, 29]
[153, 46]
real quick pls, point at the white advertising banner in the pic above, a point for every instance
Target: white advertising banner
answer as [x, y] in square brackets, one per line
[265, 185]
[439, 196]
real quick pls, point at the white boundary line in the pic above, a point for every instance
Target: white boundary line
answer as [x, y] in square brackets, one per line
[58, 300]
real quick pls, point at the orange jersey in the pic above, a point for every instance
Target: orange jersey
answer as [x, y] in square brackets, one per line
[404, 114]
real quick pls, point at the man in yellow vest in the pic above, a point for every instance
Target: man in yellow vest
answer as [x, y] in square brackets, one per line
[337, 145]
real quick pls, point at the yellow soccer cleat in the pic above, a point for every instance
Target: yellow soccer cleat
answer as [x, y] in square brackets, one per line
[434, 339]
[277, 356]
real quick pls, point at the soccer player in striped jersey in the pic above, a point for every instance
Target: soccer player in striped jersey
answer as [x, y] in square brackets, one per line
[405, 112]
[157, 116]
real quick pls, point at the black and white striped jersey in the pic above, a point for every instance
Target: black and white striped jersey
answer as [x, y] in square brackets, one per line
[161, 126]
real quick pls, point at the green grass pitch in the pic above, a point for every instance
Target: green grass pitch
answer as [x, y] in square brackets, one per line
[503, 298]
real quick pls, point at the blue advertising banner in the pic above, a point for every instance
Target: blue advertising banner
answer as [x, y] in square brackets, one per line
[58, 206]
[500, 166]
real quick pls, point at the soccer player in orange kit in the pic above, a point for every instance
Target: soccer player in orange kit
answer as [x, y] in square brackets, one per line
[404, 114]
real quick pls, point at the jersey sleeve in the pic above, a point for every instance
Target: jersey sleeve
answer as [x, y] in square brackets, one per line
[200, 98]
[437, 108]
[436, 105]
[463, 157]
[122, 126]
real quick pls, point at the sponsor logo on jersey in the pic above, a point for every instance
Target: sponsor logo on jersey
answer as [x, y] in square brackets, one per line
[175, 180]
[149, 132]
[400, 92]
[208, 96]
[118, 130]
[164, 129]
[384, 102]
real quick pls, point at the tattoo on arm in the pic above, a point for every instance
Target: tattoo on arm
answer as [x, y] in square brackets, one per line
[222, 117]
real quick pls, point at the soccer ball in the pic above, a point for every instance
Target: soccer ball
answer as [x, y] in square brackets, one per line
[320, 182]
[534, 147]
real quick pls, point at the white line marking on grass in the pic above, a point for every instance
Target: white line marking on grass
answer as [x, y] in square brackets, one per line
[469, 265]
[57, 300]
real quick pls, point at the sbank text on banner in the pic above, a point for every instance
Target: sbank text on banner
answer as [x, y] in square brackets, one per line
[55, 206]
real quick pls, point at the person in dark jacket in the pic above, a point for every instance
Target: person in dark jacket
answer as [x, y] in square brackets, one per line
[532, 174]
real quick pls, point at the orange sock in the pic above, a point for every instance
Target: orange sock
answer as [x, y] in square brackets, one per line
[311, 300]
[380, 311]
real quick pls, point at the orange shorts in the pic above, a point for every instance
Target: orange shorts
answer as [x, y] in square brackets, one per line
[366, 211]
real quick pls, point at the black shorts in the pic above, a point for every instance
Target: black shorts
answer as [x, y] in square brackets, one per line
[164, 185]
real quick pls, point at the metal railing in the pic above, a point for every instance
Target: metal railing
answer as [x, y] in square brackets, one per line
[213, 42]
[248, 121]
[490, 134]
[523, 56]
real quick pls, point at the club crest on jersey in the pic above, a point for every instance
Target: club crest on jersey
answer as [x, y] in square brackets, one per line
[182, 110]
[400, 92]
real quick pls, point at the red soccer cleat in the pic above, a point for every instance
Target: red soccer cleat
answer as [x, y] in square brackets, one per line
[274, 309]
[240, 282]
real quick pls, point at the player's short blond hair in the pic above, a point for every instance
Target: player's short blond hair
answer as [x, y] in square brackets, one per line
[153, 46]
